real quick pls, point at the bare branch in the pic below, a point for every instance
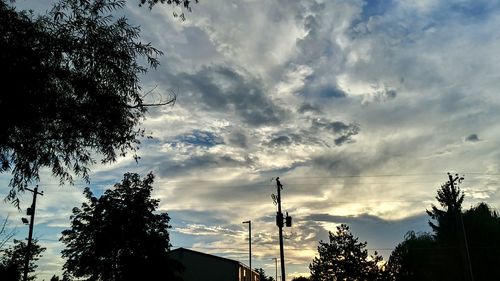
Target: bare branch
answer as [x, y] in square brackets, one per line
[171, 101]
[5, 234]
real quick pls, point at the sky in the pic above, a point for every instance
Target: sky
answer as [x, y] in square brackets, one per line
[360, 107]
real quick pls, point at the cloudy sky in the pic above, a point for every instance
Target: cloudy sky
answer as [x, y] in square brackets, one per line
[360, 107]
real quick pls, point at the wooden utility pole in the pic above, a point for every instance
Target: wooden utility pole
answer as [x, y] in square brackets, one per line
[460, 223]
[31, 212]
[279, 222]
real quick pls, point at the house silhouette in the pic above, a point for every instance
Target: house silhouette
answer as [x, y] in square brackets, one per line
[200, 266]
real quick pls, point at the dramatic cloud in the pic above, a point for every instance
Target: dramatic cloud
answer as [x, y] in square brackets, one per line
[360, 107]
[224, 89]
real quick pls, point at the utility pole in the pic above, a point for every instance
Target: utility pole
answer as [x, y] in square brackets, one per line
[457, 209]
[249, 245]
[31, 212]
[279, 223]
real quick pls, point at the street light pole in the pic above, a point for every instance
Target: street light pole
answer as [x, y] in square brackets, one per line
[276, 267]
[249, 245]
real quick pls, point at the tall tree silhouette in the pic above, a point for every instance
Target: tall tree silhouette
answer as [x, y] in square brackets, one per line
[12, 260]
[450, 197]
[414, 259]
[119, 236]
[483, 236]
[262, 275]
[344, 258]
[447, 226]
[70, 88]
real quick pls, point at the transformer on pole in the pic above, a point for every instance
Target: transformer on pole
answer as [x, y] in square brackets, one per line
[280, 222]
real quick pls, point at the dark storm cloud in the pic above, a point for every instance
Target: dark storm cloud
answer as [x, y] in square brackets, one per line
[218, 88]
[472, 138]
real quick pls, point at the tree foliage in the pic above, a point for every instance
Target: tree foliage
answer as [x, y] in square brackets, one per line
[263, 276]
[414, 259]
[344, 258]
[482, 225]
[450, 198]
[443, 255]
[301, 278]
[71, 88]
[446, 223]
[12, 260]
[119, 236]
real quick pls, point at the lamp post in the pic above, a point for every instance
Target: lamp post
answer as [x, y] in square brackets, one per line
[249, 245]
[276, 267]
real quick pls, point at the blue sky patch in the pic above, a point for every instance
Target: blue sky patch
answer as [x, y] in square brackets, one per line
[199, 138]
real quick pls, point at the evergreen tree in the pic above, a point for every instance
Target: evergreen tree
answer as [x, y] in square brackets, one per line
[447, 227]
[263, 276]
[450, 197]
[344, 258]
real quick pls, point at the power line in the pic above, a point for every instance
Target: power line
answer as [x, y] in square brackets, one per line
[265, 183]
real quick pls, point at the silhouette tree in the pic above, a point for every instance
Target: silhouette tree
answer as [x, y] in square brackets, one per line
[443, 255]
[414, 259]
[344, 258]
[263, 276]
[71, 92]
[12, 260]
[119, 236]
[450, 197]
[446, 224]
[300, 278]
[483, 236]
